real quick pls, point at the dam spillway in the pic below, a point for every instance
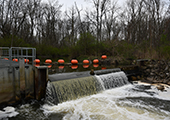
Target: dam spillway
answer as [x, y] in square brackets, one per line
[70, 89]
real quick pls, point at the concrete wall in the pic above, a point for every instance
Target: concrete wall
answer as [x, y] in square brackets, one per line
[22, 82]
[13, 87]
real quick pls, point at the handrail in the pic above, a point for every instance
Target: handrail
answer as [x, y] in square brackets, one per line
[18, 52]
[4, 52]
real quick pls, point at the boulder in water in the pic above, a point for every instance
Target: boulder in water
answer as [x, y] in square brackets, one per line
[160, 87]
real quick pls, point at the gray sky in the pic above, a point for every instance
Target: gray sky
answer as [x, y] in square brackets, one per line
[80, 3]
[83, 3]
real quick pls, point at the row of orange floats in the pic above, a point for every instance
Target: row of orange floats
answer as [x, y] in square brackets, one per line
[37, 61]
[16, 60]
[74, 62]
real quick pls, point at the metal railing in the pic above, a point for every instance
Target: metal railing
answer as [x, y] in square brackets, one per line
[4, 52]
[18, 52]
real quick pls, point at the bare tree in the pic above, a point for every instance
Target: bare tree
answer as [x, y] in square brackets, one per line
[110, 22]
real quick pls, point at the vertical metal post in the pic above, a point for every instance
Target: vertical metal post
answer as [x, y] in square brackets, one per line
[21, 53]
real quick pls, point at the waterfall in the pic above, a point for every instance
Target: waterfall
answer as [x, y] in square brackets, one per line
[113, 80]
[72, 88]
[64, 90]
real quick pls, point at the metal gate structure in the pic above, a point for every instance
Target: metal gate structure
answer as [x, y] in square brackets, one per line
[20, 80]
[18, 52]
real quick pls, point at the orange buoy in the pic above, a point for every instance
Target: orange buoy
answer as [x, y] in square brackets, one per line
[16, 60]
[86, 62]
[74, 61]
[95, 61]
[104, 56]
[36, 65]
[49, 66]
[49, 61]
[37, 61]
[74, 67]
[61, 67]
[85, 66]
[6, 58]
[26, 60]
[95, 65]
[61, 61]
[103, 68]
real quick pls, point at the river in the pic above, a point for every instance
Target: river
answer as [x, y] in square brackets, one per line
[130, 102]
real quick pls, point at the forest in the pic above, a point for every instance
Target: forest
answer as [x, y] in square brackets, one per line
[138, 29]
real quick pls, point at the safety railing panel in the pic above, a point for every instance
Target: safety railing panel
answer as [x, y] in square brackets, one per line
[4, 52]
[18, 52]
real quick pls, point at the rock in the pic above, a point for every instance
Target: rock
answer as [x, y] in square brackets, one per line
[167, 68]
[144, 67]
[157, 71]
[150, 66]
[17, 98]
[155, 81]
[162, 75]
[168, 83]
[133, 78]
[138, 77]
[156, 66]
[148, 70]
[165, 81]
[160, 87]
[152, 74]
[167, 74]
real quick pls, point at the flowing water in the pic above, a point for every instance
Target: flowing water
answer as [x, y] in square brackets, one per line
[108, 97]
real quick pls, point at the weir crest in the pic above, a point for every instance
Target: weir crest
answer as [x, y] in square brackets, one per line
[64, 90]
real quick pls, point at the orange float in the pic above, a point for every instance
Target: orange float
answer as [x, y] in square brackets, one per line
[74, 61]
[74, 67]
[26, 60]
[61, 67]
[16, 60]
[37, 65]
[86, 62]
[37, 61]
[103, 68]
[49, 61]
[95, 61]
[6, 58]
[85, 66]
[104, 56]
[61, 61]
[95, 65]
[49, 66]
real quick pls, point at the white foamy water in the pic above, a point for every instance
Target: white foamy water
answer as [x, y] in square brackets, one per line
[8, 112]
[130, 102]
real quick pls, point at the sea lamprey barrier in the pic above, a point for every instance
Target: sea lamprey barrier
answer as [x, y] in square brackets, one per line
[59, 91]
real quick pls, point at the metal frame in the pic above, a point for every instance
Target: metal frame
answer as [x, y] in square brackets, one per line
[18, 52]
[4, 52]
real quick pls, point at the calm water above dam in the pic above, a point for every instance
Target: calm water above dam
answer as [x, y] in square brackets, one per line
[118, 101]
